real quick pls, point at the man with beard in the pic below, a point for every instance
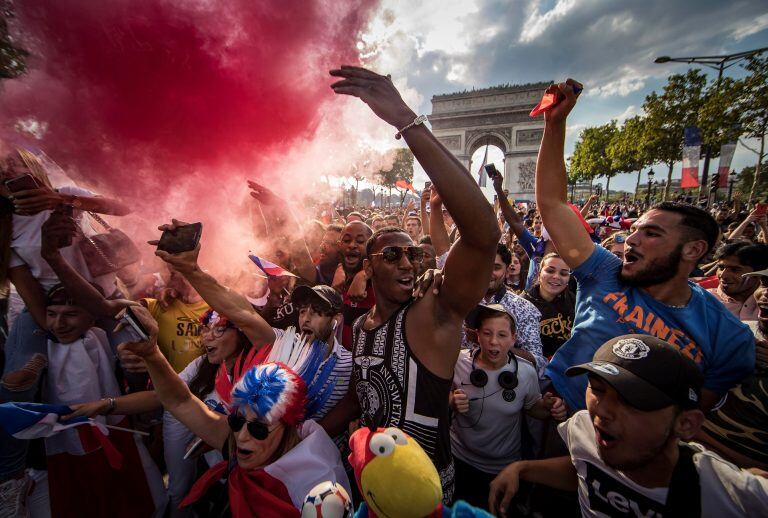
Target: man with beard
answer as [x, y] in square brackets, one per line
[736, 289]
[405, 350]
[354, 285]
[648, 292]
[625, 451]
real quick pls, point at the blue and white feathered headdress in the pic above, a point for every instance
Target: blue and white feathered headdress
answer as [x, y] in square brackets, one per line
[292, 384]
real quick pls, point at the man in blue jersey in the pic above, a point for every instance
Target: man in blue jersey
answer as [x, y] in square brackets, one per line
[646, 293]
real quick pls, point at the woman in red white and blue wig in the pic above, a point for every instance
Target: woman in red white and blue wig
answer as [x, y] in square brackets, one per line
[274, 457]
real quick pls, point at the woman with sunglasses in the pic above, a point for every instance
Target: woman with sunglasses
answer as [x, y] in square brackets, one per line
[553, 297]
[273, 456]
[223, 343]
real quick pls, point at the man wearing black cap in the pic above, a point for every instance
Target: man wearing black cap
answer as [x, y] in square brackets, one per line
[626, 455]
[319, 316]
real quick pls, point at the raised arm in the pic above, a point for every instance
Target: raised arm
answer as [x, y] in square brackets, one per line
[568, 235]
[441, 241]
[588, 205]
[33, 201]
[425, 223]
[58, 231]
[511, 216]
[470, 261]
[222, 299]
[171, 390]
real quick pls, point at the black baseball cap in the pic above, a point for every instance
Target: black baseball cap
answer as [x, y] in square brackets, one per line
[649, 373]
[323, 295]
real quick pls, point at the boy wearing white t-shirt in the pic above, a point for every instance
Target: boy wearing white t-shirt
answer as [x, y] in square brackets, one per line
[627, 457]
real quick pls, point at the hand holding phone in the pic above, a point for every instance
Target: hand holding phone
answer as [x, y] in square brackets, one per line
[133, 326]
[183, 238]
[25, 182]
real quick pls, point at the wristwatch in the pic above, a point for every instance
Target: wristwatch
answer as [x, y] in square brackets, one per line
[421, 119]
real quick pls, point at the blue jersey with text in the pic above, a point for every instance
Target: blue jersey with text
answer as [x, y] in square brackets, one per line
[703, 329]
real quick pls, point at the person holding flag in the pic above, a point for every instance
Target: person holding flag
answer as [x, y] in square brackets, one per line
[274, 457]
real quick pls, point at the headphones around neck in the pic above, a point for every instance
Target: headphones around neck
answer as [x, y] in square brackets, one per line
[507, 380]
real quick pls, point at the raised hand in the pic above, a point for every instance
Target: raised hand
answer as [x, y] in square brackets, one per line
[183, 262]
[263, 194]
[498, 180]
[559, 112]
[33, 201]
[376, 91]
[140, 349]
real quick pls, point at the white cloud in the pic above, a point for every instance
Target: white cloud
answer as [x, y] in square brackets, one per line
[537, 23]
[750, 27]
[624, 85]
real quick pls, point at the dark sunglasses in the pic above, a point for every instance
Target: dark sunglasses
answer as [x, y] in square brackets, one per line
[393, 254]
[257, 429]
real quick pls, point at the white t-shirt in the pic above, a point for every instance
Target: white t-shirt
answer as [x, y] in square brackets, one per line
[26, 246]
[487, 437]
[725, 489]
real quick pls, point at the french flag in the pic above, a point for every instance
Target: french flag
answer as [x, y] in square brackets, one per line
[270, 268]
[36, 420]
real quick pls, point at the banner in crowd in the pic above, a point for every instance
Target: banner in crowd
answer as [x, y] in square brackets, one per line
[404, 184]
[691, 153]
[724, 167]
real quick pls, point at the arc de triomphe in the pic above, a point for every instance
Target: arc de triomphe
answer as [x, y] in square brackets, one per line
[466, 121]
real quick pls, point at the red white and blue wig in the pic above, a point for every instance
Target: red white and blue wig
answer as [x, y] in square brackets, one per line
[274, 392]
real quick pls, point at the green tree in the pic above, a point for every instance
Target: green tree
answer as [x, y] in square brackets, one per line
[590, 155]
[12, 57]
[668, 113]
[402, 167]
[746, 185]
[753, 106]
[628, 150]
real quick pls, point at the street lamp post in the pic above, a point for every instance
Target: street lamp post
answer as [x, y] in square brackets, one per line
[648, 189]
[718, 63]
[730, 184]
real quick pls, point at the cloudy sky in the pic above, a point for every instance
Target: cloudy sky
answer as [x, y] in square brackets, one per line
[441, 46]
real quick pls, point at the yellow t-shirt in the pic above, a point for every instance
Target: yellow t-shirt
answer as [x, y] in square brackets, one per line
[180, 332]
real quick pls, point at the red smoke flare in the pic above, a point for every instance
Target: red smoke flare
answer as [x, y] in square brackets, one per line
[160, 88]
[172, 103]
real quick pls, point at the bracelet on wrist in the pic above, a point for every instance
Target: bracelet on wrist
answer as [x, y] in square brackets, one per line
[111, 407]
[420, 120]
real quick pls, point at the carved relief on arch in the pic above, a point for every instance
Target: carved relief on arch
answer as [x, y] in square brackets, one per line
[526, 175]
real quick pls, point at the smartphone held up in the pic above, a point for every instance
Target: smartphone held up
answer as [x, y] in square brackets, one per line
[183, 238]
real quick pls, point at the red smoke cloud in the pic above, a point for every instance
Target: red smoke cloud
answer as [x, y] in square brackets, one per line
[161, 88]
[173, 103]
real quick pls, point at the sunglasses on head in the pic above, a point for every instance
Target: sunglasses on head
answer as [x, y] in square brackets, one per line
[619, 239]
[257, 429]
[393, 254]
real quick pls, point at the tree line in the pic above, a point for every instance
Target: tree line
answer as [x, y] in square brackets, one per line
[734, 109]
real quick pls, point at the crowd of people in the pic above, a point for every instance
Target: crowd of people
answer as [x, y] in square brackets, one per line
[551, 359]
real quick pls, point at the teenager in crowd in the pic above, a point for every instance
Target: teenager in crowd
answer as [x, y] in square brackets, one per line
[223, 343]
[513, 280]
[735, 290]
[81, 367]
[648, 292]
[557, 303]
[267, 443]
[627, 452]
[328, 254]
[405, 350]
[615, 244]
[526, 315]
[492, 390]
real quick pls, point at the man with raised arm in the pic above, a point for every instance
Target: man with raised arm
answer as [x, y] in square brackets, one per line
[405, 350]
[648, 292]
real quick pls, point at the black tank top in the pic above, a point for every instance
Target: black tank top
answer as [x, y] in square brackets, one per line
[395, 387]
